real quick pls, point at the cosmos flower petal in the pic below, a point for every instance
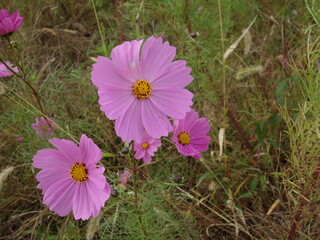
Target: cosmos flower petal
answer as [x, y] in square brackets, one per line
[130, 125]
[125, 58]
[47, 177]
[175, 104]
[4, 72]
[96, 176]
[90, 151]
[115, 103]
[177, 76]
[68, 148]
[147, 158]
[104, 74]
[155, 122]
[156, 57]
[81, 204]
[139, 154]
[51, 159]
[202, 144]
[61, 202]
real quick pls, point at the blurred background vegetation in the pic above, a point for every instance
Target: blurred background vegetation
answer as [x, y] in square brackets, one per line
[262, 103]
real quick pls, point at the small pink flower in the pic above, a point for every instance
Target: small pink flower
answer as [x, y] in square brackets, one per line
[43, 128]
[125, 176]
[70, 178]
[190, 135]
[20, 139]
[9, 23]
[141, 86]
[146, 147]
[4, 72]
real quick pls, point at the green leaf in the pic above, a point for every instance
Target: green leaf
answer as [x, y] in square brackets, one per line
[245, 195]
[254, 184]
[106, 154]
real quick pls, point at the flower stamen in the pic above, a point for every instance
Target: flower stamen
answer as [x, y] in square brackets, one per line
[79, 172]
[142, 89]
[145, 145]
[184, 138]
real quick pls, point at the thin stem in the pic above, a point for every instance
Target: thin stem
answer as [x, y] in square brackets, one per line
[133, 163]
[99, 27]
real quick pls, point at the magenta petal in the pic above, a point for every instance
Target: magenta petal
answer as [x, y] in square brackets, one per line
[177, 76]
[139, 154]
[156, 57]
[81, 204]
[175, 104]
[96, 176]
[60, 198]
[130, 126]
[69, 148]
[125, 58]
[147, 158]
[51, 159]
[155, 122]
[90, 151]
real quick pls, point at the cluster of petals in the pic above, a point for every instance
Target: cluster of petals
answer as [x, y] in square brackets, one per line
[190, 135]
[5, 72]
[70, 178]
[9, 23]
[146, 147]
[141, 86]
[44, 126]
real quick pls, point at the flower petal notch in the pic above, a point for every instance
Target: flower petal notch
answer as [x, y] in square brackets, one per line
[146, 147]
[9, 23]
[140, 86]
[70, 178]
[190, 135]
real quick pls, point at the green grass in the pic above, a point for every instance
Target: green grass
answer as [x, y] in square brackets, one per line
[271, 119]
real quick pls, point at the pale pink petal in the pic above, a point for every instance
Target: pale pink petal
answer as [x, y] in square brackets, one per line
[139, 154]
[81, 205]
[176, 76]
[96, 176]
[52, 159]
[90, 151]
[125, 58]
[155, 122]
[147, 158]
[172, 103]
[156, 57]
[129, 126]
[69, 148]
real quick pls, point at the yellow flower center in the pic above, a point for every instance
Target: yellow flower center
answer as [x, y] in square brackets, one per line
[79, 172]
[43, 127]
[184, 138]
[142, 89]
[145, 145]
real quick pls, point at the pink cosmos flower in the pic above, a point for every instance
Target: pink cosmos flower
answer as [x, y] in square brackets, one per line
[146, 147]
[70, 178]
[125, 176]
[141, 90]
[9, 23]
[4, 72]
[43, 128]
[190, 135]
